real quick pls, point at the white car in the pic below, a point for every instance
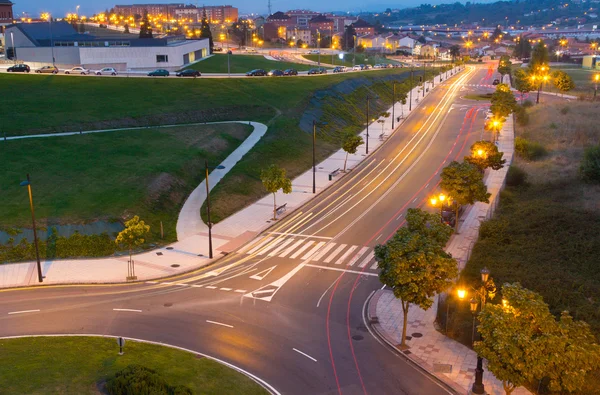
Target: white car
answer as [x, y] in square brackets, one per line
[251, 50]
[313, 52]
[77, 70]
[106, 71]
[357, 68]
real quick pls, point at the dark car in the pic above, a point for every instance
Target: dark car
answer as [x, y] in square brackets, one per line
[290, 72]
[159, 73]
[449, 215]
[275, 73]
[256, 73]
[217, 49]
[318, 70]
[496, 82]
[188, 73]
[19, 68]
[339, 69]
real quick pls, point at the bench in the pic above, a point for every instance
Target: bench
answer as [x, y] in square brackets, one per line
[382, 136]
[281, 208]
[334, 173]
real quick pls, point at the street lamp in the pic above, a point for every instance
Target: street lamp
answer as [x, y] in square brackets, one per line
[488, 288]
[368, 105]
[596, 80]
[27, 184]
[206, 167]
[461, 293]
[314, 140]
[434, 201]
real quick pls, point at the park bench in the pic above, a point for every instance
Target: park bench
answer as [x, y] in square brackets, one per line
[334, 173]
[281, 209]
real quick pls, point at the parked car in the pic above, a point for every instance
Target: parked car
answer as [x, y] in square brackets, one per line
[159, 73]
[314, 52]
[496, 82]
[256, 72]
[379, 66]
[188, 73]
[18, 68]
[339, 69]
[318, 70]
[47, 70]
[290, 72]
[217, 49]
[368, 67]
[275, 73]
[78, 70]
[106, 70]
[251, 50]
[389, 66]
[357, 68]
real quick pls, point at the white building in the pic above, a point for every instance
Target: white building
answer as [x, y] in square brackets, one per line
[42, 43]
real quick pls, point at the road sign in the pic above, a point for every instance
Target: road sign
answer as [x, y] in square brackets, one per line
[121, 343]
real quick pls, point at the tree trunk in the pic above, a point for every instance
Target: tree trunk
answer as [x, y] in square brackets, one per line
[508, 387]
[274, 208]
[456, 219]
[345, 160]
[405, 311]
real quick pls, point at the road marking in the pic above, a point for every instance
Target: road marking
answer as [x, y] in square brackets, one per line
[306, 355]
[414, 200]
[313, 250]
[346, 255]
[379, 237]
[151, 282]
[275, 286]
[335, 253]
[225, 289]
[259, 276]
[211, 287]
[324, 251]
[24, 311]
[301, 250]
[398, 217]
[219, 323]
[281, 247]
[168, 283]
[370, 256]
[182, 285]
[290, 249]
[197, 285]
[265, 241]
[240, 291]
[336, 269]
[356, 257]
[270, 246]
[427, 185]
[300, 235]
[130, 310]
[374, 266]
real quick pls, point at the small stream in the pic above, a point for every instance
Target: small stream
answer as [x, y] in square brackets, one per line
[93, 228]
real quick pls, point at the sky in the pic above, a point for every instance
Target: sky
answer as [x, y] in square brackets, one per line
[88, 8]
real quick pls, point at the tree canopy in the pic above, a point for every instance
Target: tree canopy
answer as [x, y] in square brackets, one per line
[522, 48]
[504, 66]
[503, 101]
[205, 31]
[145, 27]
[539, 56]
[485, 154]
[522, 82]
[350, 143]
[274, 178]
[562, 81]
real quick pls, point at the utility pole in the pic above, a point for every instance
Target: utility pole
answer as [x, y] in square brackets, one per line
[319, 46]
[393, 103]
[313, 155]
[368, 104]
[411, 89]
[27, 184]
[269, 7]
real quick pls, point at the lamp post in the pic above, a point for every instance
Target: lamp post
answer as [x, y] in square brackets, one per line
[461, 293]
[206, 167]
[314, 165]
[367, 143]
[596, 80]
[411, 88]
[14, 54]
[434, 201]
[27, 184]
[354, 51]
[319, 47]
[487, 288]
[393, 103]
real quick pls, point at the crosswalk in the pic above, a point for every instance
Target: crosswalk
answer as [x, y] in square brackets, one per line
[304, 248]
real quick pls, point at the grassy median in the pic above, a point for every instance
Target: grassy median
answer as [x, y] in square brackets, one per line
[243, 63]
[82, 365]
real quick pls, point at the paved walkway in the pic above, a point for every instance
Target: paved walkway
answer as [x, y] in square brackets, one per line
[191, 251]
[443, 357]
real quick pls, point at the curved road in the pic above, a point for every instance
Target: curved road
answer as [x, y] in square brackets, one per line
[289, 306]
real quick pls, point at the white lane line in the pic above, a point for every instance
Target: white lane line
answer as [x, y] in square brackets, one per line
[265, 241]
[346, 255]
[290, 249]
[356, 257]
[335, 253]
[414, 200]
[427, 185]
[299, 235]
[313, 250]
[398, 217]
[23, 311]
[219, 323]
[302, 249]
[240, 291]
[336, 269]
[306, 355]
[182, 284]
[151, 282]
[281, 247]
[129, 310]
[367, 259]
[211, 287]
[197, 285]
[324, 251]
[168, 283]
[374, 266]
[225, 289]
[269, 247]
[379, 237]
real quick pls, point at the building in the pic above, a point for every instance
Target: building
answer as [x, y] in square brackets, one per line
[300, 34]
[322, 24]
[43, 43]
[363, 28]
[214, 14]
[301, 18]
[591, 62]
[166, 10]
[6, 18]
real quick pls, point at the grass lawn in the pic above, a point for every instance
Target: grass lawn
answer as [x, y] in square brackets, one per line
[482, 97]
[81, 365]
[147, 172]
[581, 77]
[243, 64]
[347, 61]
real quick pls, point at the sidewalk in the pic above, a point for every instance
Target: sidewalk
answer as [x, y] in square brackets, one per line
[441, 356]
[191, 251]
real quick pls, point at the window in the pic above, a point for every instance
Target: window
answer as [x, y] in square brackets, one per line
[162, 58]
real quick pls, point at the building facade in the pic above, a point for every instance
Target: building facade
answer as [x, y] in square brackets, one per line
[6, 18]
[166, 10]
[214, 14]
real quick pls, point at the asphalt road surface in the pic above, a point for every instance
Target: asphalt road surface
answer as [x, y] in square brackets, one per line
[289, 307]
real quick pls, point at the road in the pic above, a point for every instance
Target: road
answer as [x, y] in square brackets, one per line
[289, 306]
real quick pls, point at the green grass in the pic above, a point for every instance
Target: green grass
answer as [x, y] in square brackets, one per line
[347, 61]
[111, 175]
[81, 365]
[243, 64]
[482, 97]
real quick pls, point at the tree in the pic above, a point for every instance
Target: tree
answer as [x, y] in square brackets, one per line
[414, 264]
[145, 28]
[274, 178]
[539, 56]
[454, 52]
[132, 236]
[348, 38]
[503, 101]
[485, 154]
[205, 31]
[590, 165]
[497, 33]
[350, 143]
[463, 182]
[562, 81]
[522, 341]
[126, 28]
[522, 49]
[522, 82]
[504, 66]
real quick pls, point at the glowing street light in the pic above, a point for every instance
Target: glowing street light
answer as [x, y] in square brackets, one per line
[434, 202]
[596, 80]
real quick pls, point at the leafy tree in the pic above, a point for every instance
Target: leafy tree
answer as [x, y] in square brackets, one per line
[463, 182]
[348, 37]
[590, 165]
[350, 143]
[126, 28]
[205, 31]
[414, 264]
[539, 56]
[522, 82]
[133, 235]
[137, 379]
[454, 52]
[497, 33]
[522, 49]
[239, 31]
[485, 154]
[274, 178]
[522, 341]
[562, 81]
[504, 66]
[145, 28]
[503, 101]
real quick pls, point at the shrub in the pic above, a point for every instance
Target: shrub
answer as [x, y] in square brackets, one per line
[529, 150]
[516, 176]
[527, 104]
[564, 110]
[590, 165]
[496, 230]
[139, 380]
[522, 116]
